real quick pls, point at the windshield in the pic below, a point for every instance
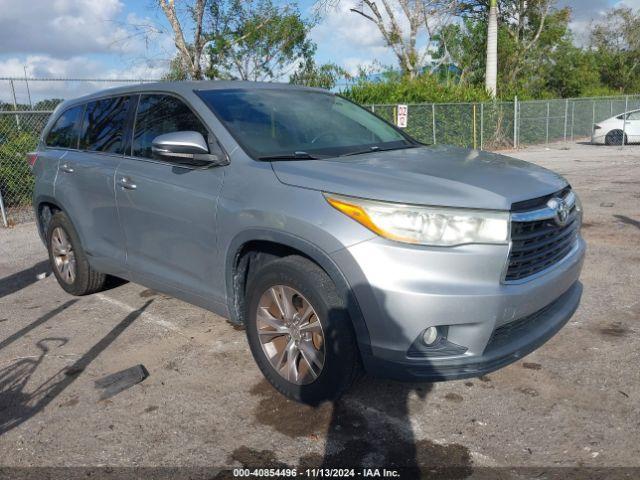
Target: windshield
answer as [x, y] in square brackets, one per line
[300, 124]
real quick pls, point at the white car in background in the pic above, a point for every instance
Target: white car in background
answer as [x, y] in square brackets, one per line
[613, 130]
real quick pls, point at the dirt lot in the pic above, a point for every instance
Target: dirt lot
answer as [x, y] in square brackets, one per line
[574, 402]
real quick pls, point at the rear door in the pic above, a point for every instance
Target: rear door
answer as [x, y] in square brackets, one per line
[85, 182]
[168, 211]
[632, 126]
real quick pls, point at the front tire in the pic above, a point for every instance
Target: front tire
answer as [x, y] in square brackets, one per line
[299, 331]
[68, 260]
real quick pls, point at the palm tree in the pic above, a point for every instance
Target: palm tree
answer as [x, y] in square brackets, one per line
[492, 49]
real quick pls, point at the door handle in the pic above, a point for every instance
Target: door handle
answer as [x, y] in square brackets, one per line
[125, 182]
[65, 167]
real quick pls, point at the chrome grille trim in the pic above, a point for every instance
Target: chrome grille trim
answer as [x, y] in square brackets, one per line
[538, 243]
[542, 213]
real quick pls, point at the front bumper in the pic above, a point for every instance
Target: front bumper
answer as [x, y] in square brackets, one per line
[401, 290]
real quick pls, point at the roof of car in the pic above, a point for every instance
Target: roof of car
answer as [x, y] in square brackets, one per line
[184, 87]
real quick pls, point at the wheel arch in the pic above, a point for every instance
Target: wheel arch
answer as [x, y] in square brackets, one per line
[45, 207]
[276, 244]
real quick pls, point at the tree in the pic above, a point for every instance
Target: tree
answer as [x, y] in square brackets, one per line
[189, 54]
[256, 40]
[529, 35]
[311, 74]
[401, 23]
[492, 49]
[616, 41]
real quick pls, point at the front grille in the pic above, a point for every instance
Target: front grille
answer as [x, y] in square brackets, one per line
[538, 244]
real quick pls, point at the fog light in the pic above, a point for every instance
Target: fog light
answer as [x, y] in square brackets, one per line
[430, 336]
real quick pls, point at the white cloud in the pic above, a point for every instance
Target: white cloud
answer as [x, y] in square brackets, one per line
[45, 66]
[64, 28]
[635, 4]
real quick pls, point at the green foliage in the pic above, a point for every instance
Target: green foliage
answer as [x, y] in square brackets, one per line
[311, 74]
[394, 88]
[548, 64]
[255, 39]
[616, 42]
[16, 181]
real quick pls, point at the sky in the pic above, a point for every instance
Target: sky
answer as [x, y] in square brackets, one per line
[132, 39]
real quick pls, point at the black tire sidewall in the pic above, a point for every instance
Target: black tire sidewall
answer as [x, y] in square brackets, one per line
[81, 282]
[341, 357]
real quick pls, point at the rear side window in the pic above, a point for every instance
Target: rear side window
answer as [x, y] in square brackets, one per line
[103, 125]
[159, 114]
[65, 132]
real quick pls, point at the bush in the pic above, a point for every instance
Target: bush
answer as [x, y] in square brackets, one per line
[16, 181]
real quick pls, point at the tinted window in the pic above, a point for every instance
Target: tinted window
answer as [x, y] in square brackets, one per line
[283, 121]
[634, 115]
[103, 125]
[64, 133]
[159, 114]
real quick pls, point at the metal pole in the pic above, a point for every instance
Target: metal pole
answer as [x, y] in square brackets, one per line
[624, 119]
[566, 117]
[475, 136]
[482, 126]
[573, 111]
[593, 117]
[15, 103]
[515, 122]
[26, 80]
[4, 214]
[547, 125]
[433, 117]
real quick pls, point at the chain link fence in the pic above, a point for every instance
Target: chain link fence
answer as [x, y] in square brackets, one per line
[25, 106]
[501, 125]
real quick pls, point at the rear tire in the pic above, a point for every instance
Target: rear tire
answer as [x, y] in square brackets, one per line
[615, 137]
[68, 260]
[308, 288]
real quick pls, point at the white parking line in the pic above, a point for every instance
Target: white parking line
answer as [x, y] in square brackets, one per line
[145, 316]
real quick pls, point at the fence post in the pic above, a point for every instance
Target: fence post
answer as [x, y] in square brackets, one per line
[566, 117]
[482, 126]
[593, 115]
[547, 126]
[15, 103]
[433, 118]
[573, 112]
[624, 119]
[515, 122]
[475, 136]
[4, 214]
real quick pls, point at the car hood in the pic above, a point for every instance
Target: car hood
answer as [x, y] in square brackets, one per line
[439, 175]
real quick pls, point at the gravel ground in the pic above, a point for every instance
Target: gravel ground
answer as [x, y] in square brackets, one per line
[572, 403]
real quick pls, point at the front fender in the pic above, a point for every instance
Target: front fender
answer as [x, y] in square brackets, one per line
[310, 250]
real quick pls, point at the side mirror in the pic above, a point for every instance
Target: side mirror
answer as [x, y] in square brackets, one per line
[186, 147]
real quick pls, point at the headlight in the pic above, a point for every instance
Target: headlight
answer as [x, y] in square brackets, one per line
[579, 210]
[437, 226]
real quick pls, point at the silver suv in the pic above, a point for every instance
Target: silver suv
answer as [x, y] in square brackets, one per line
[337, 240]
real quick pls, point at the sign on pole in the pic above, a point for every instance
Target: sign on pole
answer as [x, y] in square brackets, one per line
[402, 116]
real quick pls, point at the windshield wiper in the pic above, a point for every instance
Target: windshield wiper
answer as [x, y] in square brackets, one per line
[289, 156]
[376, 149]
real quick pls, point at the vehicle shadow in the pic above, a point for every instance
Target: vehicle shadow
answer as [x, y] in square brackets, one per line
[369, 427]
[44, 318]
[17, 404]
[19, 280]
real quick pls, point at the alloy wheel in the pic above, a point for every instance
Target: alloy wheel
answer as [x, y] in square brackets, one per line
[64, 258]
[290, 334]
